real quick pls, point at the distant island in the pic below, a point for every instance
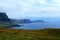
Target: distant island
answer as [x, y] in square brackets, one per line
[38, 21]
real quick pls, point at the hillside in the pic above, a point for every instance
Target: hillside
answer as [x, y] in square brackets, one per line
[19, 34]
[5, 21]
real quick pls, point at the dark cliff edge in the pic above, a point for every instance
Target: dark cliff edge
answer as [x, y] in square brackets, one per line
[6, 22]
[4, 17]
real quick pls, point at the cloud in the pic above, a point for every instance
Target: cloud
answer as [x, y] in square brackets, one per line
[31, 8]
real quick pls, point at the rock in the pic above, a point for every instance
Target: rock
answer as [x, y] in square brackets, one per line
[3, 17]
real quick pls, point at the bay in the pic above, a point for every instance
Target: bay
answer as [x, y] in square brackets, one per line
[39, 25]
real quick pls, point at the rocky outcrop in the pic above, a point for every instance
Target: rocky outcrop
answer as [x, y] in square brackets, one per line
[3, 17]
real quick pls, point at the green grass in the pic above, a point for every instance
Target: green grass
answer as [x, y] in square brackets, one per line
[6, 24]
[19, 34]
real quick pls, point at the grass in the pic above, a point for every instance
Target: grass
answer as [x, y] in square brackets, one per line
[6, 24]
[19, 34]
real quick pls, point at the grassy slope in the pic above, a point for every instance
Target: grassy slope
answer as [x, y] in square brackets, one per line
[6, 24]
[16, 34]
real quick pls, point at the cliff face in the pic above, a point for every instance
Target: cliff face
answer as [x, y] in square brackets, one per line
[4, 17]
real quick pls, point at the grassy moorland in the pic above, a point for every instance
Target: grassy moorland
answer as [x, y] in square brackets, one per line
[19, 34]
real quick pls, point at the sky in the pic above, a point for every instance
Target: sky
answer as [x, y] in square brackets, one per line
[30, 8]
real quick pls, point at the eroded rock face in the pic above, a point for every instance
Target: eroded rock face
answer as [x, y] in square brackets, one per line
[4, 17]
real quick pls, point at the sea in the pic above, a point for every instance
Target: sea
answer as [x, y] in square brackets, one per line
[39, 25]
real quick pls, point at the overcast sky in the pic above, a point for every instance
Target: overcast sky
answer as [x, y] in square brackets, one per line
[30, 8]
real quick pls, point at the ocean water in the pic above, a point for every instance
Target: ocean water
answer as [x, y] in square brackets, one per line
[39, 25]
